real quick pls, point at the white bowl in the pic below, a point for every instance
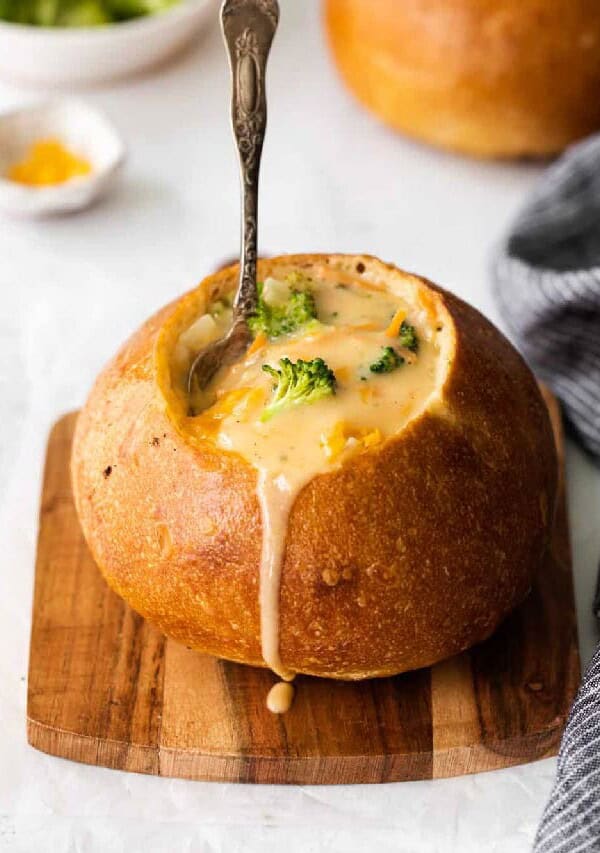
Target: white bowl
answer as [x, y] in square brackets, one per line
[51, 56]
[83, 130]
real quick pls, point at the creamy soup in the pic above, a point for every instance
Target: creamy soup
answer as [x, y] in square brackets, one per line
[378, 366]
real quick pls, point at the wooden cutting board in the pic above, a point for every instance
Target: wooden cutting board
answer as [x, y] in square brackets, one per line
[106, 688]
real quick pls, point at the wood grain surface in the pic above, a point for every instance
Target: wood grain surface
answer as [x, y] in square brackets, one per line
[106, 688]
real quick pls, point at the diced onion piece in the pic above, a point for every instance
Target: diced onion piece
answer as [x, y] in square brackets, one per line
[275, 293]
[200, 333]
[181, 355]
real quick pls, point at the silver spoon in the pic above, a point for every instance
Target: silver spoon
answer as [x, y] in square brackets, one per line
[248, 29]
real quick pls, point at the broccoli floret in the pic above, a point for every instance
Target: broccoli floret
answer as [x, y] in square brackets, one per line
[277, 320]
[407, 337]
[389, 360]
[297, 383]
[83, 13]
[125, 9]
[78, 13]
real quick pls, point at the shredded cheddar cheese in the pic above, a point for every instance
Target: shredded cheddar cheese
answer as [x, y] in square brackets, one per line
[429, 306]
[258, 343]
[365, 327]
[370, 439]
[342, 438]
[46, 163]
[247, 405]
[239, 402]
[393, 330]
[343, 374]
[335, 441]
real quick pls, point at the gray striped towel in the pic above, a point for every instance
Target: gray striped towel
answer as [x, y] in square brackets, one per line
[547, 285]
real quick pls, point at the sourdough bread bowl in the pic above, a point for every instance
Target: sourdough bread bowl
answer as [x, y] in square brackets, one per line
[492, 78]
[406, 545]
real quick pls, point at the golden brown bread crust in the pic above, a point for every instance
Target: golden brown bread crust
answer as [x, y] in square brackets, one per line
[494, 78]
[429, 539]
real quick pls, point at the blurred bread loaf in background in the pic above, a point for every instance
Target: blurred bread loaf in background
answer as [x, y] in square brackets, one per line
[490, 78]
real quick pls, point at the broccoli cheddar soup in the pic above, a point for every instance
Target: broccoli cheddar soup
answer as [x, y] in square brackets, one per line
[339, 363]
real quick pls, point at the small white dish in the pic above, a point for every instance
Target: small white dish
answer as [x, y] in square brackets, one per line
[81, 129]
[54, 56]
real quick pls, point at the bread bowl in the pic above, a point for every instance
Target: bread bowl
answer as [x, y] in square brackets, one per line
[492, 78]
[406, 536]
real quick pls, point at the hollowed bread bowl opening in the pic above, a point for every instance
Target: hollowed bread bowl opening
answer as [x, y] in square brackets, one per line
[420, 500]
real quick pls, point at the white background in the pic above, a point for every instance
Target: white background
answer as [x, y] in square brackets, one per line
[333, 179]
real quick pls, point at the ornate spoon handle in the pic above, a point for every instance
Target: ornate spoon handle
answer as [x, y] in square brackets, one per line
[248, 30]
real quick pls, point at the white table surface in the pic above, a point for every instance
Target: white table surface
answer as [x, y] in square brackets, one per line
[71, 289]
